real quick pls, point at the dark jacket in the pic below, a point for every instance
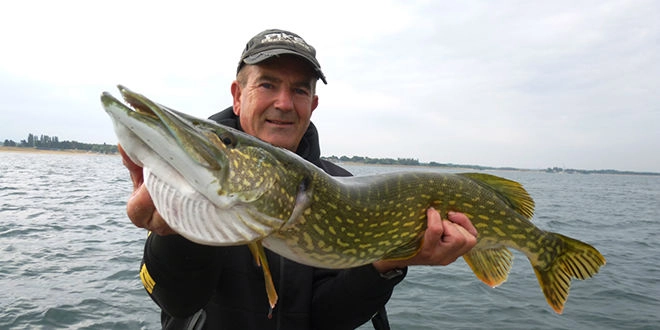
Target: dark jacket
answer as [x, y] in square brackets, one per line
[224, 288]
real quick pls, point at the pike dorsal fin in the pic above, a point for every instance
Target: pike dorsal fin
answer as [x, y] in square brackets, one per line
[511, 192]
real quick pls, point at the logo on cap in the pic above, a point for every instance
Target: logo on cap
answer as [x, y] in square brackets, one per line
[275, 42]
[284, 37]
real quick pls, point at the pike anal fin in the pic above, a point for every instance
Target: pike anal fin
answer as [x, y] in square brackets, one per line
[260, 258]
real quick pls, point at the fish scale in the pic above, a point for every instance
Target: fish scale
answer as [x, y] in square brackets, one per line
[256, 194]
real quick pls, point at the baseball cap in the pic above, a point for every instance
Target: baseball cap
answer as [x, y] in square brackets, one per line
[276, 42]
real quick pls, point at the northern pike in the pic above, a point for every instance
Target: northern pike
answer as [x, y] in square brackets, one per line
[219, 186]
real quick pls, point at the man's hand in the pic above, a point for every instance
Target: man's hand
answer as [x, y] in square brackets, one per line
[444, 241]
[140, 208]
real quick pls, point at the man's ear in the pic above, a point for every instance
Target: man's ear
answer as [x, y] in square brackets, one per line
[236, 94]
[315, 102]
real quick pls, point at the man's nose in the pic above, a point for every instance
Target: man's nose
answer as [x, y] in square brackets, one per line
[284, 100]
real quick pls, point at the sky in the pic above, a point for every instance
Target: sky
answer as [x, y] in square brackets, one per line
[525, 84]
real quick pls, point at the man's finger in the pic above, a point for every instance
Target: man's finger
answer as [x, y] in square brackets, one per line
[134, 170]
[125, 159]
[435, 229]
[463, 221]
[140, 207]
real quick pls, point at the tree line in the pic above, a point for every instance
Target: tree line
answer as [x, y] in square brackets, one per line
[407, 162]
[45, 142]
[606, 171]
[415, 162]
[374, 161]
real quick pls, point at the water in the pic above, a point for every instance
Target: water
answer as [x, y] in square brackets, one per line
[69, 257]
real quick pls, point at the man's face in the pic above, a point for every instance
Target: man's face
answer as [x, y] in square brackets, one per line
[277, 99]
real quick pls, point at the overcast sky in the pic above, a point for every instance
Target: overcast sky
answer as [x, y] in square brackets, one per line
[526, 84]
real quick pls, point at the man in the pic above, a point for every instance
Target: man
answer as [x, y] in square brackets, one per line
[220, 287]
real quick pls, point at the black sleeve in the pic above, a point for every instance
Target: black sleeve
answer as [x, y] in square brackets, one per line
[178, 273]
[349, 298]
[333, 169]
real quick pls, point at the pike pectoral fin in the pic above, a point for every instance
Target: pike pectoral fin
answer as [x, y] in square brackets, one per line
[260, 258]
[491, 266]
[303, 201]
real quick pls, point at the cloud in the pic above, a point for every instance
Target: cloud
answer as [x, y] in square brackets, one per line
[503, 84]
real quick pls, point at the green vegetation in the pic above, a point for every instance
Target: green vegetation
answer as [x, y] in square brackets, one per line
[376, 161]
[45, 142]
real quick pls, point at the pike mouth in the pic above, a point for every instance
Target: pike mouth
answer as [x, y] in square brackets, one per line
[136, 104]
[131, 103]
[139, 118]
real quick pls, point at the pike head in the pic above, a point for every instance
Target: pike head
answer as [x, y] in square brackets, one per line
[194, 169]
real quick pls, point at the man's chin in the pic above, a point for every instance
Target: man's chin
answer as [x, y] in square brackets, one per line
[282, 140]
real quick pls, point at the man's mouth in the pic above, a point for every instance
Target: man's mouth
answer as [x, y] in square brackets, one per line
[278, 122]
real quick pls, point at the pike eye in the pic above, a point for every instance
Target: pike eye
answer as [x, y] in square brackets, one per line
[227, 139]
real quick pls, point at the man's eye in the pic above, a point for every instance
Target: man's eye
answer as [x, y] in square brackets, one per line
[267, 85]
[301, 91]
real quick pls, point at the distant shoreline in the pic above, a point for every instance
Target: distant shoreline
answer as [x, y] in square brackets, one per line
[422, 165]
[555, 170]
[354, 163]
[49, 151]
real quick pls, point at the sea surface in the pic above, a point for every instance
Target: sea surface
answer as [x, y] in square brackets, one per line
[69, 257]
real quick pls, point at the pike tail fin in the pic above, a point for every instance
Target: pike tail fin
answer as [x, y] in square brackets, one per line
[577, 260]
